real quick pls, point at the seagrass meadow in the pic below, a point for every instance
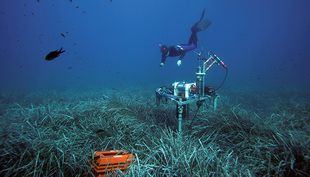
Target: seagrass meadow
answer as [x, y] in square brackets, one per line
[251, 133]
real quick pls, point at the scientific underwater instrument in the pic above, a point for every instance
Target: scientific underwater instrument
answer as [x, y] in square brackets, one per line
[183, 93]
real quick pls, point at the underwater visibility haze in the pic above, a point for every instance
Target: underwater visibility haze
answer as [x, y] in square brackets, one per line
[112, 43]
[80, 76]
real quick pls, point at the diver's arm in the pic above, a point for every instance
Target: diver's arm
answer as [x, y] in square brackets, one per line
[163, 59]
[182, 56]
[180, 59]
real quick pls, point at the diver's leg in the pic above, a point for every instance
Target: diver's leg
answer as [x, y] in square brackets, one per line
[193, 39]
[194, 27]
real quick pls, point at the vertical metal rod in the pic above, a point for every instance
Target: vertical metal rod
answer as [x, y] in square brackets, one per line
[199, 79]
[203, 78]
[180, 110]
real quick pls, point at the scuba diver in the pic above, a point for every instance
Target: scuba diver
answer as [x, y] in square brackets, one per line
[181, 49]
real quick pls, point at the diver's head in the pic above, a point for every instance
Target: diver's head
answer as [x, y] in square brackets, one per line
[165, 50]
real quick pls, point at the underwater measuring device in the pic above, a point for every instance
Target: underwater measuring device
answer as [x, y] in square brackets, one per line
[183, 93]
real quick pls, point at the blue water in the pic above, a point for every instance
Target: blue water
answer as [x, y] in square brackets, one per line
[115, 44]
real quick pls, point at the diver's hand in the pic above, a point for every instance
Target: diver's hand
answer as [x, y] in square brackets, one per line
[179, 62]
[161, 64]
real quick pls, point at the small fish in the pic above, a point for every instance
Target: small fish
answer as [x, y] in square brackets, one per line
[2, 12]
[67, 32]
[58, 22]
[70, 0]
[32, 13]
[84, 12]
[75, 44]
[62, 35]
[25, 5]
[77, 7]
[38, 0]
[72, 29]
[54, 54]
[70, 68]
[110, 0]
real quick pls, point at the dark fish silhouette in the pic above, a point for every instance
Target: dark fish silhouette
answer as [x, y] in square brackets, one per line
[54, 54]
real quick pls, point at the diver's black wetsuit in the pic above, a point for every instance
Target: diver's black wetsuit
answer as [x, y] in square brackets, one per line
[178, 50]
[182, 49]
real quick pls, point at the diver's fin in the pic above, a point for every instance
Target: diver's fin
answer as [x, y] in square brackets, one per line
[203, 14]
[204, 25]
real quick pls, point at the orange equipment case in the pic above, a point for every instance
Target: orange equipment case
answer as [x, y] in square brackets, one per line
[105, 162]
